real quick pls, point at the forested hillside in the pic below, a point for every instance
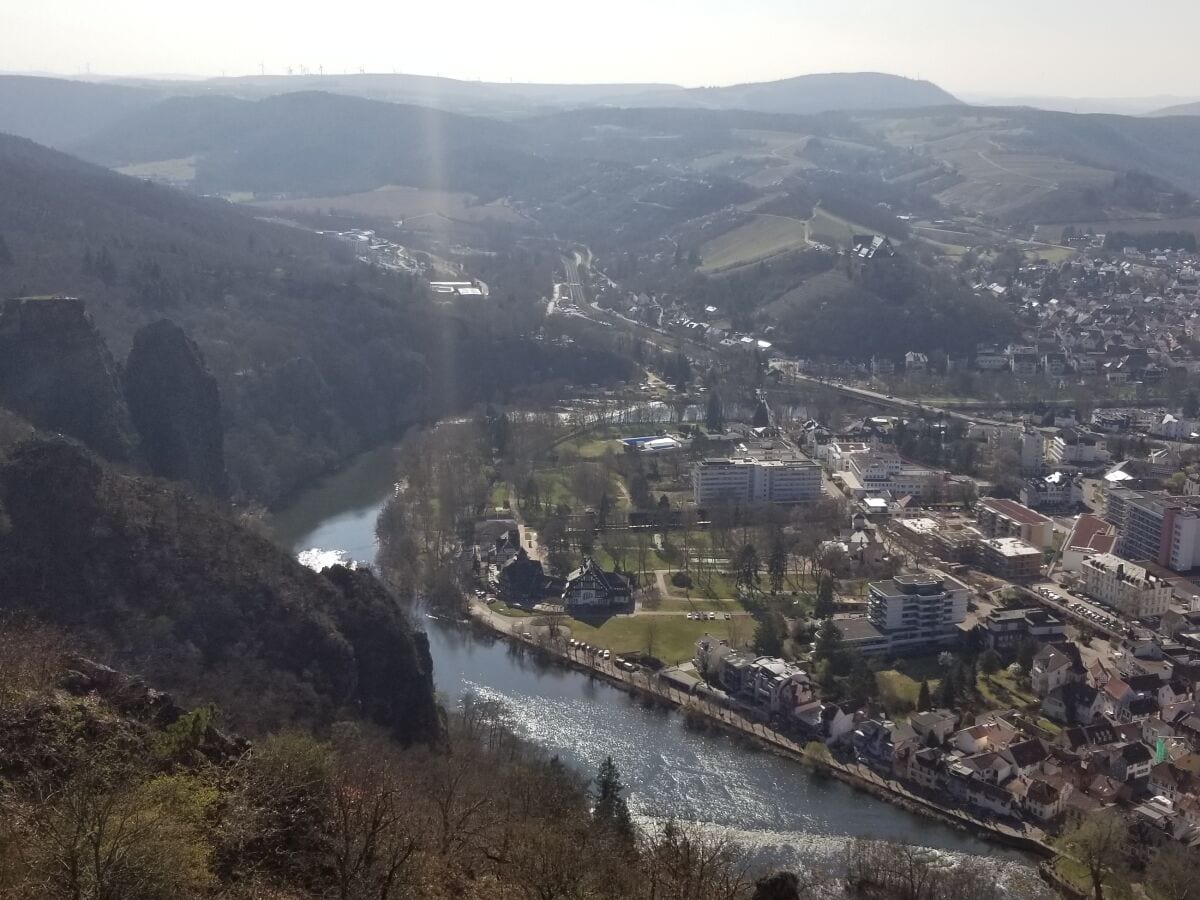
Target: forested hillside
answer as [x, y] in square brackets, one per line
[316, 356]
[156, 581]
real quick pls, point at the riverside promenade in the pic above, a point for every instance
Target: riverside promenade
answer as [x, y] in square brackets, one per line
[644, 683]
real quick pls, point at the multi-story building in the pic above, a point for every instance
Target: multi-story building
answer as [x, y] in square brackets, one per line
[1006, 518]
[1057, 492]
[1126, 587]
[871, 472]
[756, 479]
[1072, 447]
[1009, 558]
[909, 612]
[1004, 628]
[1156, 526]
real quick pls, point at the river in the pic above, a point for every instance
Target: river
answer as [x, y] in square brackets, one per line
[767, 803]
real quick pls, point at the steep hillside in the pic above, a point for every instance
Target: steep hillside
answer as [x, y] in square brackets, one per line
[1026, 165]
[59, 111]
[318, 143]
[173, 588]
[314, 355]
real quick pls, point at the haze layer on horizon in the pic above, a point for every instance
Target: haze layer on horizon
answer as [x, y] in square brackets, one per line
[1066, 48]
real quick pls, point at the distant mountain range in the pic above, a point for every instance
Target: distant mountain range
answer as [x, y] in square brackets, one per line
[61, 112]
[1182, 109]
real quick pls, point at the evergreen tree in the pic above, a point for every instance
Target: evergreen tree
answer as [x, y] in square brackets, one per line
[1026, 650]
[746, 565]
[714, 415]
[6, 257]
[777, 562]
[861, 684]
[948, 690]
[611, 811]
[924, 702]
[830, 647]
[770, 634]
[824, 605]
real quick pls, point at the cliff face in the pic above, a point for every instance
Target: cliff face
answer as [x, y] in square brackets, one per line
[56, 371]
[176, 407]
[175, 589]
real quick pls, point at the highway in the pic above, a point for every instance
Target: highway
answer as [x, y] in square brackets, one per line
[574, 286]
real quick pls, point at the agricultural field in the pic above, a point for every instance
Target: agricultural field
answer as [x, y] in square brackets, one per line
[762, 237]
[168, 171]
[831, 229]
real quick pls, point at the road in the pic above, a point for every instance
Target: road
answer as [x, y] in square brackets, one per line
[573, 283]
[897, 402]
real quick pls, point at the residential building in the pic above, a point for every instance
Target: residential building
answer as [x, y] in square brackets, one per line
[1053, 666]
[876, 471]
[756, 479]
[523, 580]
[1056, 492]
[1089, 536]
[1004, 628]
[1009, 558]
[908, 612]
[1007, 518]
[1125, 586]
[1072, 447]
[1156, 526]
[590, 587]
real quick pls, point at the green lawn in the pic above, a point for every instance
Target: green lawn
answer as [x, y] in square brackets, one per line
[1002, 691]
[498, 497]
[672, 638]
[698, 604]
[897, 690]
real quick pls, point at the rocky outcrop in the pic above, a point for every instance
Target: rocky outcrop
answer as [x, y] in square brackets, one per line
[56, 371]
[176, 406]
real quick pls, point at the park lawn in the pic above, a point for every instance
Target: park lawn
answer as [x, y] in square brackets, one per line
[554, 486]
[498, 497]
[717, 586]
[698, 604]
[597, 447]
[670, 638]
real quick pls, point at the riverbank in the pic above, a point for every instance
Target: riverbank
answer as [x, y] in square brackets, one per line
[641, 682]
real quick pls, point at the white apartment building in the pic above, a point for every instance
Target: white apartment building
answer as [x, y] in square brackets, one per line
[872, 472]
[753, 479]
[1072, 447]
[909, 612]
[1125, 586]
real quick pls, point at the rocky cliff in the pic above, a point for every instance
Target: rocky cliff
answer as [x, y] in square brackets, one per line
[57, 372]
[176, 407]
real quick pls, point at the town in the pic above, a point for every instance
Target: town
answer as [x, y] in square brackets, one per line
[992, 604]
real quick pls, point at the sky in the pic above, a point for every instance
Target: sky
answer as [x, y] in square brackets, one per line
[1100, 48]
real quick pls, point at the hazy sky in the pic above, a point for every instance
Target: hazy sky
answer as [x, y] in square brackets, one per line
[1043, 47]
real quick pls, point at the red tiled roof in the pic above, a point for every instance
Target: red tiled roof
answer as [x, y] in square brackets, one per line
[1091, 533]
